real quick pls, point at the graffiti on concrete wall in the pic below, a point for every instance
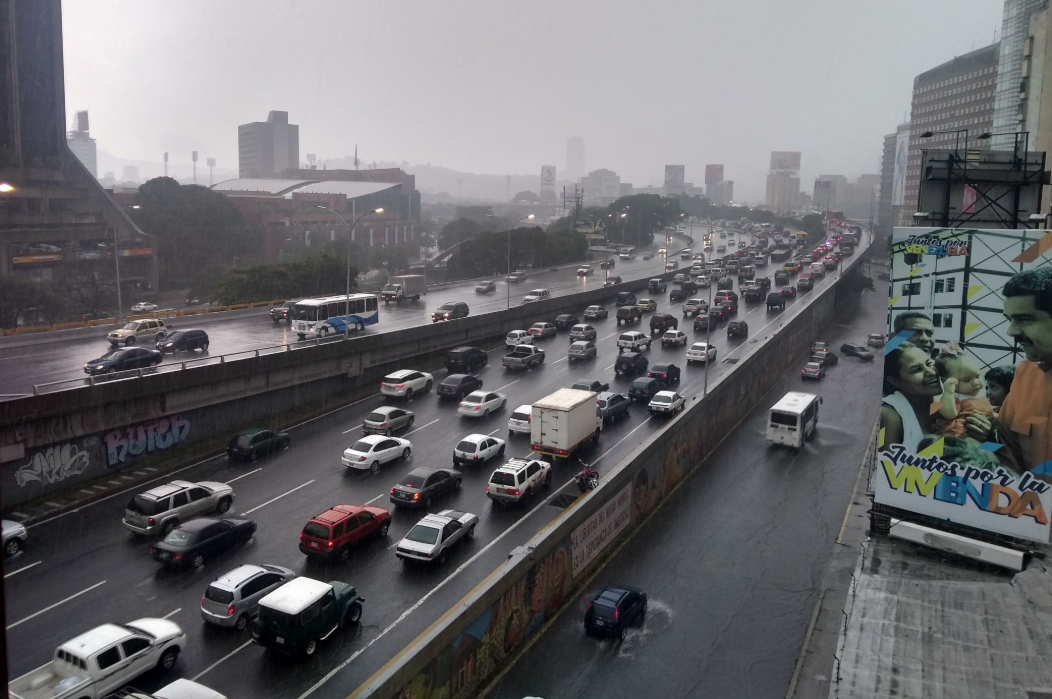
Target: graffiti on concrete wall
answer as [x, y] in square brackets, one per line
[54, 464]
[145, 438]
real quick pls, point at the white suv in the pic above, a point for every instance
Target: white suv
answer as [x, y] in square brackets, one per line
[518, 337]
[632, 340]
[518, 479]
[536, 295]
[520, 420]
[405, 382]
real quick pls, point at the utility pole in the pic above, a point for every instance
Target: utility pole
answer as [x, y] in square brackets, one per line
[211, 164]
[194, 158]
[166, 163]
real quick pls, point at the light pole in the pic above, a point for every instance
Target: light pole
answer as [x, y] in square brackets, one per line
[506, 282]
[350, 235]
[708, 339]
[117, 268]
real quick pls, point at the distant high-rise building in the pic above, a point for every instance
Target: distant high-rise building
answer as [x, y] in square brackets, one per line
[82, 144]
[1036, 87]
[1009, 116]
[575, 158]
[783, 181]
[130, 174]
[887, 184]
[953, 97]
[268, 148]
[825, 193]
[601, 187]
[720, 193]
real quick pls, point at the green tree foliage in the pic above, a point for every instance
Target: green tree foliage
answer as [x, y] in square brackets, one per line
[487, 254]
[195, 227]
[29, 301]
[466, 228]
[814, 227]
[526, 196]
[91, 286]
[321, 274]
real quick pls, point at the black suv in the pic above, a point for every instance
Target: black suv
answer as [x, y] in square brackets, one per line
[183, 341]
[737, 328]
[644, 389]
[753, 292]
[608, 263]
[680, 293]
[463, 359]
[691, 287]
[565, 321]
[613, 610]
[449, 311]
[629, 314]
[775, 300]
[860, 351]
[282, 312]
[625, 298]
[765, 282]
[657, 286]
[667, 374]
[631, 363]
[458, 385]
[703, 322]
[660, 322]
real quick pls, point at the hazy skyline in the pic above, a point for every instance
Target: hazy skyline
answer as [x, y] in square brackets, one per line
[499, 87]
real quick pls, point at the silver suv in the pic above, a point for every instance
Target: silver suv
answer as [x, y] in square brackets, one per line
[149, 330]
[161, 509]
[232, 600]
[518, 479]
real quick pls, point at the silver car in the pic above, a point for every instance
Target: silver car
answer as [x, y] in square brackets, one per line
[582, 331]
[584, 349]
[14, 537]
[160, 510]
[232, 600]
[387, 419]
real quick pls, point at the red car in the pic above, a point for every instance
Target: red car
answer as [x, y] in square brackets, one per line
[334, 532]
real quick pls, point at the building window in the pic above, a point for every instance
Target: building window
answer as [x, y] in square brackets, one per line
[942, 320]
[911, 288]
[947, 285]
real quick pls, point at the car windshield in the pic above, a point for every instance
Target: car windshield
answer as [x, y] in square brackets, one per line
[447, 307]
[813, 366]
[362, 446]
[413, 481]
[603, 403]
[304, 312]
[178, 538]
[244, 440]
[520, 416]
[390, 288]
[468, 447]
[174, 335]
[472, 399]
[502, 478]
[422, 534]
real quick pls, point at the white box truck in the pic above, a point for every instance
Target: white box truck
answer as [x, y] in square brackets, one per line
[564, 422]
[404, 287]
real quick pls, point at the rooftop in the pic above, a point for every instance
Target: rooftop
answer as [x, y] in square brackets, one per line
[286, 188]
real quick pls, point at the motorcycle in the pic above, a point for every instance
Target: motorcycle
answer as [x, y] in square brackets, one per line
[587, 479]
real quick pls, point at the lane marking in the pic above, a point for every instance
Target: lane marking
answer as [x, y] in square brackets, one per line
[289, 492]
[352, 429]
[496, 430]
[47, 609]
[171, 614]
[375, 499]
[609, 336]
[649, 418]
[422, 427]
[605, 368]
[509, 384]
[561, 360]
[240, 648]
[244, 474]
[16, 572]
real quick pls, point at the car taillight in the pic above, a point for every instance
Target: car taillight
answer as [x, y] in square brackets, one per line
[178, 557]
[477, 407]
[392, 491]
[416, 496]
[476, 457]
[150, 520]
[330, 544]
[401, 385]
[617, 615]
[516, 493]
[361, 458]
[487, 488]
[202, 599]
[230, 610]
[301, 536]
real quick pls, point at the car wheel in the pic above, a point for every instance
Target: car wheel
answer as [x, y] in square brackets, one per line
[405, 454]
[223, 506]
[168, 658]
[427, 388]
[500, 452]
[354, 613]
[241, 623]
[384, 528]
[548, 479]
[409, 394]
[428, 502]
[286, 443]
[471, 532]
[410, 423]
[623, 633]
[197, 561]
[311, 647]
[253, 456]
[375, 467]
[387, 432]
[457, 483]
[12, 547]
[443, 557]
[359, 326]
[643, 611]
[130, 341]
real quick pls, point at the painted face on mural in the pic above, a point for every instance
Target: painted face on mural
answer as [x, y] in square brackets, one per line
[923, 333]
[539, 593]
[917, 376]
[1030, 327]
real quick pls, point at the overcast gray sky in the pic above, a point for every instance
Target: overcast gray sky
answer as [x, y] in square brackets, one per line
[495, 86]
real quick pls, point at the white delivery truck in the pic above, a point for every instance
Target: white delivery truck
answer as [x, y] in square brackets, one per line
[564, 422]
[404, 287]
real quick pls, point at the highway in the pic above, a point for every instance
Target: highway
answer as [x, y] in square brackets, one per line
[83, 568]
[732, 563]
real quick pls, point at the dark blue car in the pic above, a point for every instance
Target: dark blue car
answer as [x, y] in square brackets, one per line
[123, 359]
[613, 610]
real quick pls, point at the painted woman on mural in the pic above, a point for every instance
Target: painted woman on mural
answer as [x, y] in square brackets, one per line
[560, 579]
[538, 594]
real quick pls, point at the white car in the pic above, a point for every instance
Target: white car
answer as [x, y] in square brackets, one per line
[674, 338]
[700, 352]
[633, 341]
[584, 270]
[372, 451]
[433, 536]
[15, 535]
[666, 403]
[536, 295]
[703, 280]
[516, 276]
[646, 305]
[520, 420]
[405, 382]
[662, 251]
[183, 688]
[669, 266]
[481, 404]
[144, 307]
[518, 337]
[477, 449]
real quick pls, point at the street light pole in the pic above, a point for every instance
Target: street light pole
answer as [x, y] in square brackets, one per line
[117, 269]
[708, 346]
[350, 236]
[506, 282]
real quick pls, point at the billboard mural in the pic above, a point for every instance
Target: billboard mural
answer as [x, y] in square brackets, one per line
[675, 175]
[785, 160]
[713, 174]
[967, 402]
[547, 178]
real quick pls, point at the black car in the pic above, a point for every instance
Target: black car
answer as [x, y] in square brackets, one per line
[465, 359]
[717, 314]
[753, 292]
[730, 308]
[667, 374]
[737, 328]
[629, 314]
[123, 359]
[860, 351]
[449, 311]
[192, 542]
[565, 321]
[765, 282]
[625, 298]
[691, 287]
[789, 292]
[608, 263]
[253, 443]
[678, 294]
[613, 610]
[775, 300]
[612, 280]
[825, 358]
[644, 389]
[660, 322]
[704, 322]
[421, 486]
[183, 341]
[458, 385]
[613, 405]
[282, 312]
[631, 363]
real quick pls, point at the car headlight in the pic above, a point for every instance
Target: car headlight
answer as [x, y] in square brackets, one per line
[101, 366]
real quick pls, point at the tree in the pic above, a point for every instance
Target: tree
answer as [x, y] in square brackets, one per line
[457, 232]
[813, 226]
[488, 253]
[526, 196]
[91, 285]
[27, 300]
[321, 274]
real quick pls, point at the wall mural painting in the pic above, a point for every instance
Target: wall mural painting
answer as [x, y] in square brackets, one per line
[56, 463]
[145, 438]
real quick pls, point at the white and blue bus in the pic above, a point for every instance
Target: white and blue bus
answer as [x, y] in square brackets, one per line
[333, 314]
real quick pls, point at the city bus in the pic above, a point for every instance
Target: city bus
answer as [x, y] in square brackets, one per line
[331, 314]
[801, 237]
[793, 419]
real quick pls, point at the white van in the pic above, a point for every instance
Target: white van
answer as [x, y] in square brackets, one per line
[817, 269]
[793, 419]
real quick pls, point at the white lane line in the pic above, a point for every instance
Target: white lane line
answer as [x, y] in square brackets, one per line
[16, 572]
[240, 648]
[289, 492]
[561, 360]
[171, 614]
[423, 426]
[423, 599]
[494, 431]
[509, 384]
[649, 418]
[255, 470]
[375, 499]
[47, 609]
[605, 368]
[608, 336]
[352, 429]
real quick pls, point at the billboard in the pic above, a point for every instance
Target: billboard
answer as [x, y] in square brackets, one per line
[675, 175]
[898, 183]
[713, 174]
[965, 416]
[785, 160]
[547, 178]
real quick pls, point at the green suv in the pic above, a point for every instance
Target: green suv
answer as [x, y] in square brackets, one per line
[294, 618]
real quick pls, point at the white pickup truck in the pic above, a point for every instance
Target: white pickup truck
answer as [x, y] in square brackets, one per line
[103, 660]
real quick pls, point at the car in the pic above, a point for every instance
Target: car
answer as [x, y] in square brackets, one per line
[189, 544]
[595, 312]
[648, 256]
[776, 300]
[625, 298]
[608, 263]
[813, 370]
[660, 322]
[485, 287]
[404, 383]
[729, 308]
[633, 340]
[584, 270]
[183, 341]
[431, 539]
[613, 405]
[701, 352]
[334, 532]
[646, 305]
[537, 295]
[478, 448]
[631, 363]
[666, 403]
[252, 443]
[661, 251]
[705, 322]
[372, 451]
[518, 337]
[591, 385]
[825, 358]
[481, 404]
[582, 331]
[421, 486]
[518, 480]
[143, 307]
[515, 277]
[763, 282]
[703, 280]
[387, 419]
[875, 340]
[232, 599]
[458, 385]
[14, 537]
[565, 321]
[582, 349]
[657, 286]
[671, 265]
[818, 347]
[629, 314]
[789, 292]
[612, 280]
[450, 311]
[679, 278]
[282, 311]
[542, 330]
[613, 610]
[737, 328]
[679, 294]
[664, 372]
[781, 277]
[520, 420]
[643, 389]
[805, 283]
[860, 351]
[753, 292]
[161, 509]
[465, 359]
[674, 338]
[692, 307]
[123, 359]
[296, 616]
[717, 314]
